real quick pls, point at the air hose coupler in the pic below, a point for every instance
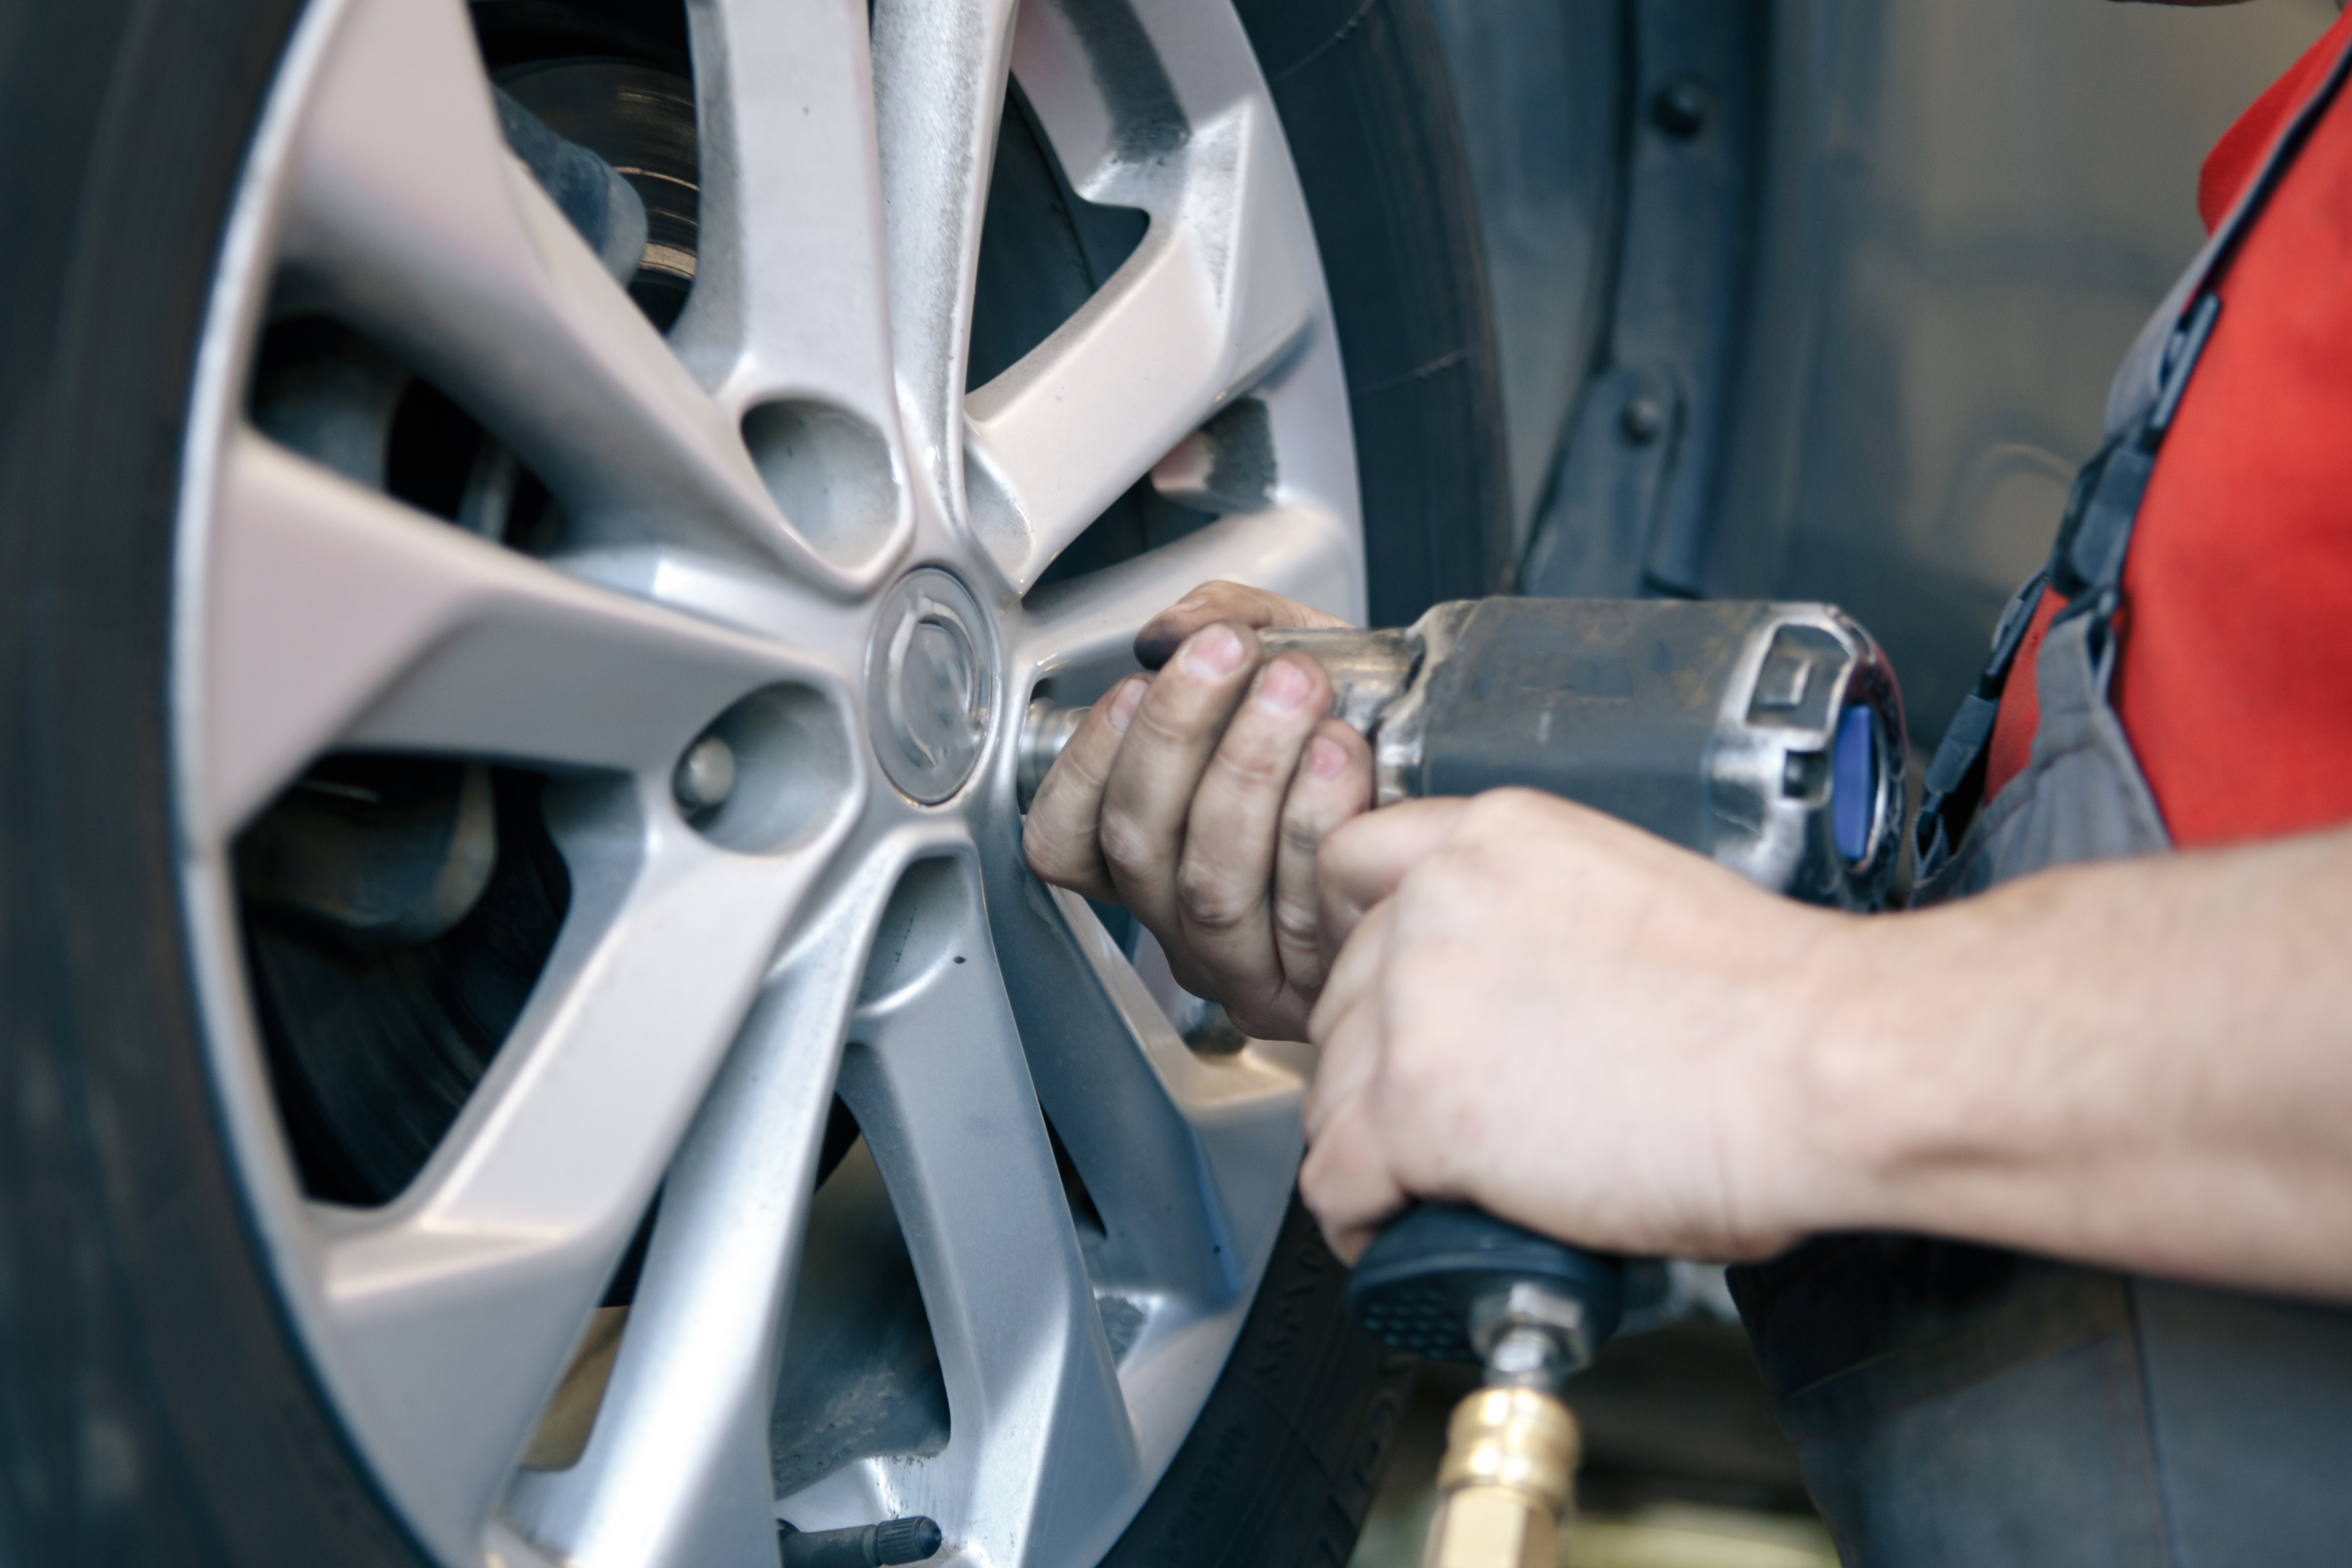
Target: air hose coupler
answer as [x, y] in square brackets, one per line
[1510, 1456]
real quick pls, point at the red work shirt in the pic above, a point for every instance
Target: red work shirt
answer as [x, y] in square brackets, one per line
[2233, 677]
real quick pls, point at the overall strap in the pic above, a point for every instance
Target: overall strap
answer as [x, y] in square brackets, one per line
[2086, 563]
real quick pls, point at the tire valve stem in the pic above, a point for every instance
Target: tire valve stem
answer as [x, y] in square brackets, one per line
[894, 1540]
[1511, 1448]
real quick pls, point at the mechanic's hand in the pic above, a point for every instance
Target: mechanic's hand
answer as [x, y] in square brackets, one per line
[1565, 1021]
[1198, 798]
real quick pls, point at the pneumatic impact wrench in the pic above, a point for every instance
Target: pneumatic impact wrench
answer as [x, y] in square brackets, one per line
[1768, 736]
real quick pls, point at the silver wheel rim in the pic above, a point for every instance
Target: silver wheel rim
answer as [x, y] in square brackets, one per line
[750, 498]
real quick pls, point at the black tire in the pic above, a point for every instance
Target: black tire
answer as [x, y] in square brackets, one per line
[154, 1404]
[1285, 1461]
[1369, 113]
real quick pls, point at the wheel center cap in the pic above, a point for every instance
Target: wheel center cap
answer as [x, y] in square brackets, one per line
[930, 684]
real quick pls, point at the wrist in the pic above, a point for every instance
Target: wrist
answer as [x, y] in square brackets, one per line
[1912, 1078]
[1860, 1071]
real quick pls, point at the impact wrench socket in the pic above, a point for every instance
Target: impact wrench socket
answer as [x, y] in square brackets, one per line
[1767, 736]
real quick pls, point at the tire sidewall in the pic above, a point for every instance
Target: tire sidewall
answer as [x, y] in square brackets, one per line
[152, 1406]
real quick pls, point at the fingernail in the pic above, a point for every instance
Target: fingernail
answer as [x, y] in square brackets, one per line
[1283, 687]
[1122, 707]
[1214, 653]
[1326, 758]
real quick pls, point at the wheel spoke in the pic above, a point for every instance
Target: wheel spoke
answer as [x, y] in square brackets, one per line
[458, 1305]
[676, 1468]
[410, 219]
[1089, 622]
[791, 212]
[790, 209]
[337, 615]
[1189, 1158]
[1040, 1434]
[939, 87]
[1222, 286]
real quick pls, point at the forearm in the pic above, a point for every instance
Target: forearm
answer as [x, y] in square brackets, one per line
[2146, 1064]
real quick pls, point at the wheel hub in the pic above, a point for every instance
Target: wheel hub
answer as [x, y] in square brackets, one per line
[930, 680]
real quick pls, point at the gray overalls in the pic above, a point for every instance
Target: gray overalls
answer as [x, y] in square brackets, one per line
[1960, 1405]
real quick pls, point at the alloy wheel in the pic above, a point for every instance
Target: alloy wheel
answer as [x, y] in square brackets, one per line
[755, 673]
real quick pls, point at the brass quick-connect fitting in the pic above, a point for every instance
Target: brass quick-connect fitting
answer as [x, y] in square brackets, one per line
[1509, 1456]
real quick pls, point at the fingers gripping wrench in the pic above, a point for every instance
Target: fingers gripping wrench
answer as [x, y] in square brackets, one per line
[1768, 736]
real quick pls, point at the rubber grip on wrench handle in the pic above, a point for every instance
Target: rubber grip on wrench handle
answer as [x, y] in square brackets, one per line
[1415, 1286]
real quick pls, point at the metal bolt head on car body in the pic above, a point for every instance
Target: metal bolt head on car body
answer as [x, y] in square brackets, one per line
[1644, 419]
[1681, 107]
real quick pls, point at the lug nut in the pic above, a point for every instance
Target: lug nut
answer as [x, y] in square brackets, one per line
[706, 774]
